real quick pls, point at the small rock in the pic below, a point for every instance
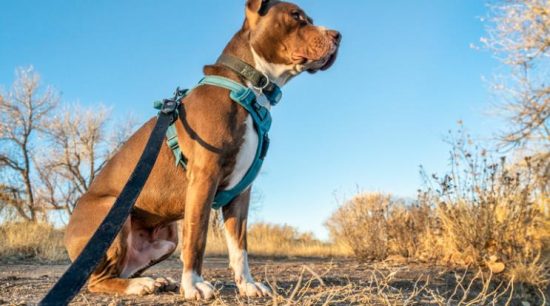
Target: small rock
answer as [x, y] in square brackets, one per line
[496, 267]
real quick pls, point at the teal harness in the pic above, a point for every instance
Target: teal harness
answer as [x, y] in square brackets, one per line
[261, 117]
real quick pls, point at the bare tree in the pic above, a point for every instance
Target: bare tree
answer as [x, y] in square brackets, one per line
[50, 156]
[81, 143]
[519, 34]
[23, 113]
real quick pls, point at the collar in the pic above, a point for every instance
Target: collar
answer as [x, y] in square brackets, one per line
[257, 79]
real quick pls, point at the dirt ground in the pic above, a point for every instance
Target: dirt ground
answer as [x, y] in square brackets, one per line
[297, 282]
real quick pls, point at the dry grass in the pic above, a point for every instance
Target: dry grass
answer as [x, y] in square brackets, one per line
[383, 284]
[300, 282]
[26, 240]
[273, 240]
[380, 289]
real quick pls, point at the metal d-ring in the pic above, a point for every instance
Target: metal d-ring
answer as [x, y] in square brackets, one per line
[267, 81]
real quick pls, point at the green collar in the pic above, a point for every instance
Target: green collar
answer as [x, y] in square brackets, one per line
[257, 79]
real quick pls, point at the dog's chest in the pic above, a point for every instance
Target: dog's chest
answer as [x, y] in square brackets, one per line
[246, 154]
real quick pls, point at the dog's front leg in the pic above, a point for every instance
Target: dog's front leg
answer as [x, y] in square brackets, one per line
[235, 217]
[200, 193]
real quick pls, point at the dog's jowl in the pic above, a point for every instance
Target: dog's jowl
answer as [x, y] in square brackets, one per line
[219, 139]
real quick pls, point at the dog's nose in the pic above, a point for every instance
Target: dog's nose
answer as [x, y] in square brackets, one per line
[336, 36]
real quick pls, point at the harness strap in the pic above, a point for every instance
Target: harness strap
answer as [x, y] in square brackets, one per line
[172, 141]
[171, 133]
[261, 117]
[226, 83]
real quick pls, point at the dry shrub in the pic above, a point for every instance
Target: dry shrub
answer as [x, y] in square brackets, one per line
[482, 213]
[373, 226]
[407, 227]
[361, 225]
[494, 214]
[28, 240]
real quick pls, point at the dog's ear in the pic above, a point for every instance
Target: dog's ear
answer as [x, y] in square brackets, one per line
[253, 10]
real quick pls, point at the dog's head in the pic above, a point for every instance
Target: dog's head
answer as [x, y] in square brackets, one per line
[285, 42]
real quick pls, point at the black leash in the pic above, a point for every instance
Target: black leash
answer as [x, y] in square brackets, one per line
[68, 286]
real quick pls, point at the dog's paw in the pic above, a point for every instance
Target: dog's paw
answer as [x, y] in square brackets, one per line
[167, 284]
[199, 290]
[142, 286]
[254, 289]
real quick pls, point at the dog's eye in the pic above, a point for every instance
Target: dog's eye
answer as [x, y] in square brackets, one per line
[296, 16]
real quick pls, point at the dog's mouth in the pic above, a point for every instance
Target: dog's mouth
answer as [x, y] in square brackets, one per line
[325, 63]
[315, 65]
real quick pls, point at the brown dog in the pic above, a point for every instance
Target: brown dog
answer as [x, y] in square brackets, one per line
[219, 141]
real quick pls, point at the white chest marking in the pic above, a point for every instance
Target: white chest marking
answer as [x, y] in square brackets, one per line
[246, 154]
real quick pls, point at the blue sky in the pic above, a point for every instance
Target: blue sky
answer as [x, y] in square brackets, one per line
[405, 75]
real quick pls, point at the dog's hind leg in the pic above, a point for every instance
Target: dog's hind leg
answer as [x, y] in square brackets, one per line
[122, 259]
[148, 246]
[235, 216]
[134, 250]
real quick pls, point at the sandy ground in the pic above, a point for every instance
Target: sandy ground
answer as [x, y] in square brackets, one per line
[338, 282]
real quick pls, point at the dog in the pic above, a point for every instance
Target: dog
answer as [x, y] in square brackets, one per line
[218, 139]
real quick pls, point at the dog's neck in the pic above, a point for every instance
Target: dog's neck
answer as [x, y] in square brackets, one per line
[279, 74]
[240, 47]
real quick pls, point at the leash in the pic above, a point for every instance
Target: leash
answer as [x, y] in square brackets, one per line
[68, 286]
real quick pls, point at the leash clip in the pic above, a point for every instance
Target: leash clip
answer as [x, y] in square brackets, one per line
[168, 106]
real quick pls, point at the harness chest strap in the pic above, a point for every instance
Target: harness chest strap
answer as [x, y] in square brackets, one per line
[261, 117]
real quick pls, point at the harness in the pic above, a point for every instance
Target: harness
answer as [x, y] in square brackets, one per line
[246, 98]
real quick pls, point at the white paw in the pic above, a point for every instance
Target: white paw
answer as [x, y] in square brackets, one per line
[193, 287]
[167, 284]
[254, 289]
[199, 290]
[142, 286]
